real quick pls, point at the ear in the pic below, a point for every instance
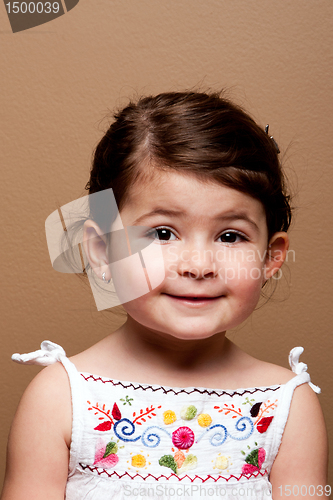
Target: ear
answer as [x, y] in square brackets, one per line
[95, 247]
[276, 254]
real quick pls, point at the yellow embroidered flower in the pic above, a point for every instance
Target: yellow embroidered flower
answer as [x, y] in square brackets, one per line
[221, 462]
[169, 417]
[138, 461]
[204, 420]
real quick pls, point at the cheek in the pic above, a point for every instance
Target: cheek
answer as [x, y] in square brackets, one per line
[242, 273]
[138, 274]
[244, 282]
[129, 278]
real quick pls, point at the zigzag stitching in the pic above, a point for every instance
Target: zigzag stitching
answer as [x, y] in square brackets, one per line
[184, 391]
[120, 476]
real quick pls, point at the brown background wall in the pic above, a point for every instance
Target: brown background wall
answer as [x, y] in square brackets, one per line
[58, 81]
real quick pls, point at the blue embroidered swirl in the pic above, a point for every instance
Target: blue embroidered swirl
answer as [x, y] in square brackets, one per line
[243, 424]
[151, 439]
[123, 431]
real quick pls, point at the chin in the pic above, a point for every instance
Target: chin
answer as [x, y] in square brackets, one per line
[191, 332]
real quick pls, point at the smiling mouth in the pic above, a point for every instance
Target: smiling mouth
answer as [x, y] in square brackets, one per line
[194, 298]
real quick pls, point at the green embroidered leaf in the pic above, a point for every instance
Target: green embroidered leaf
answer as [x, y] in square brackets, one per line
[168, 461]
[111, 447]
[252, 458]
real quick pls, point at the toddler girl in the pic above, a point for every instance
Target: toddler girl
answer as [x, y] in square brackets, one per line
[167, 406]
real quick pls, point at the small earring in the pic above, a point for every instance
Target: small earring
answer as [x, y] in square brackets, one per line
[104, 279]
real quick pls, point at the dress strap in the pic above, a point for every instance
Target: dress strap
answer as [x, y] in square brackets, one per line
[299, 367]
[48, 354]
[282, 413]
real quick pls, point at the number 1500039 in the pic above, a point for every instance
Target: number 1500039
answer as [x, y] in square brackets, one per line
[32, 7]
[288, 490]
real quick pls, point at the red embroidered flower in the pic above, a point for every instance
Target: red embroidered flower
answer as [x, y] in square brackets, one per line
[183, 438]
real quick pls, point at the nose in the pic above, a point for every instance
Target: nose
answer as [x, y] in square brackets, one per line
[197, 263]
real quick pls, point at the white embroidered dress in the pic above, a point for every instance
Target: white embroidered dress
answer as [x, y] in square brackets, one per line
[132, 440]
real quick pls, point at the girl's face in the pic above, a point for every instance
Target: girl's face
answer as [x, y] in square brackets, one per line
[214, 246]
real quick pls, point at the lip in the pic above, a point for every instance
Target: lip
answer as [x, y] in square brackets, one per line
[194, 300]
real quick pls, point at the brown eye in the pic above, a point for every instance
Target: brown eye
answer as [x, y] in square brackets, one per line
[162, 234]
[231, 237]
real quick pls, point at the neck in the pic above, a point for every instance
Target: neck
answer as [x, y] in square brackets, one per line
[167, 352]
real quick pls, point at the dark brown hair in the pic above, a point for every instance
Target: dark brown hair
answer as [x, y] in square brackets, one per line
[200, 133]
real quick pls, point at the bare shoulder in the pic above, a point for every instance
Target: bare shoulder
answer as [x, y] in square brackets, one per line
[48, 397]
[260, 373]
[38, 446]
[303, 454]
[49, 391]
[96, 359]
[274, 374]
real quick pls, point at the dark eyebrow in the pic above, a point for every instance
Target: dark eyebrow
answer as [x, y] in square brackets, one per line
[229, 216]
[238, 216]
[159, 211]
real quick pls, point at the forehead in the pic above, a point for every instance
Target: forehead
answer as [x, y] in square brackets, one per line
[186, 192]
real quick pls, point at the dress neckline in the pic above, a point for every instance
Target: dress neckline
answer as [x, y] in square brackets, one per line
[188, 389]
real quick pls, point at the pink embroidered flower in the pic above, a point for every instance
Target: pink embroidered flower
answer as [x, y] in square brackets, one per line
[183, 438]
[254, 460]
[104, 456]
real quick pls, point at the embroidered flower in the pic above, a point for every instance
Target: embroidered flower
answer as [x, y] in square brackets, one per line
[138, 461]
[179, 458]
[221, 462]
[183, 438]
[179, 464]
[204, 420]
[190, 463]
[105, 455]
[254, 460]
[188, 412]
[169, 417]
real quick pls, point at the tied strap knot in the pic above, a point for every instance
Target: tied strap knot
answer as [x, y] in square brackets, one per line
[299, 367]
[48, 354]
